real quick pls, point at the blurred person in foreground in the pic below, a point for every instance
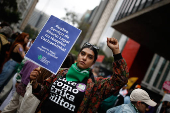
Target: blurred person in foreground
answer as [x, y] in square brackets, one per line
[75, 90]
[140, 100]
[14, 103]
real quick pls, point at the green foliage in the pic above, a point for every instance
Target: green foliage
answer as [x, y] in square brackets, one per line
[9, 11]
[84, 26]
[75, 50]
[101, 52]
[107, 60]
[32, 32]
[71, 17]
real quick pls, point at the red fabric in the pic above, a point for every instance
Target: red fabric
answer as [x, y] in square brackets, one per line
[100, 58]
[130, 51]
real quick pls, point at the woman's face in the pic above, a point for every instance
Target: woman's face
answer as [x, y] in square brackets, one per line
[85, 58]
[26, 39]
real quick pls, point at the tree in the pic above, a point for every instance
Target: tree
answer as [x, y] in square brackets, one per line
[31, 31]
[9, 11]
[108, 62]
[71, 17]
[84, 26]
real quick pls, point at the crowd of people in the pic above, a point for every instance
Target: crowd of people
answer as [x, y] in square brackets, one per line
[76, 88]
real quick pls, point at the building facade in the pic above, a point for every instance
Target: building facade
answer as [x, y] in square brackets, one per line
[25, 7]
[145, 21]
[38, 19]
[94, 19]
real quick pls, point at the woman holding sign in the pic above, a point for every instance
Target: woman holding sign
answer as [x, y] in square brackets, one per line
[75, 89]
[16, 55]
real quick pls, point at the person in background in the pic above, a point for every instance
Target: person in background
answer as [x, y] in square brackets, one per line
[16, 55]
[139, 102]
[3, 24]
[127, 97]
[95, 71]
[16, 80]
[84, 93]
[123, 91]
[5, 33]
[13, 37]
[165, 107]
[31, 41]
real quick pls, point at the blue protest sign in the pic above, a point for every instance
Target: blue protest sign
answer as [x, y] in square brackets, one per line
[53, 43]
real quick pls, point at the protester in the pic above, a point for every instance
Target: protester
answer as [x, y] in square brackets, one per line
[139, 102]
[16, 55]
[75, 89]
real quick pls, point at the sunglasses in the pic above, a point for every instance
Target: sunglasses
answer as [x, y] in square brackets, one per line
[88, 44]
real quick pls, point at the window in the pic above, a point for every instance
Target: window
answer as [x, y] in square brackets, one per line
[159, 73]
[131, 7]
[142, 5]
[164, 76]
[136, 6]
[153, 68]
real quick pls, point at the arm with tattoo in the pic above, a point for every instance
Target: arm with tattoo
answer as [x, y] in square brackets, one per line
[21, 51]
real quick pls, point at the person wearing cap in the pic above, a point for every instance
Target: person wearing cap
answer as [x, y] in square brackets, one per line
[139, 102]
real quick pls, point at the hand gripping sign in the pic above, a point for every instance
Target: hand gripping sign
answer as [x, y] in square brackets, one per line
[53, 43]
